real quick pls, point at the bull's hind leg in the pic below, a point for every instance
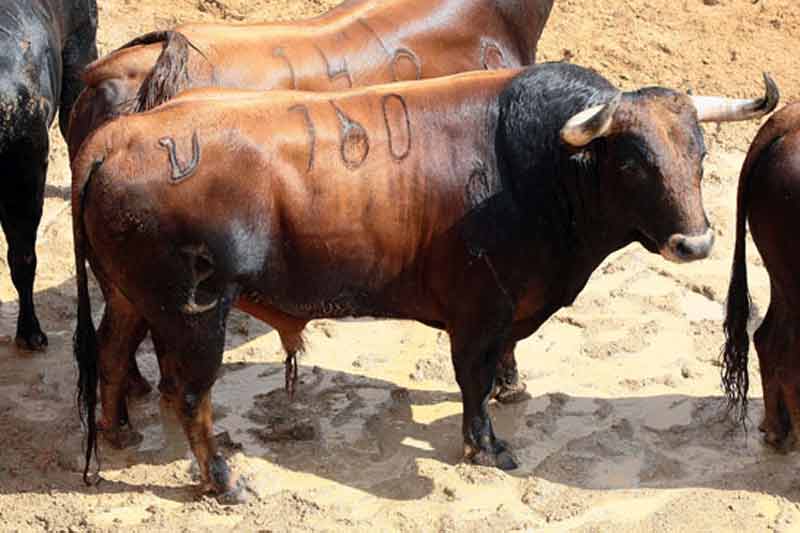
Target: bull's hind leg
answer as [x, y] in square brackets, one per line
[21, 201]
[788, 375]
[121, 331]
[508, 388]
[475, 361]
[189, 350]
[138, 386]
[776, 423]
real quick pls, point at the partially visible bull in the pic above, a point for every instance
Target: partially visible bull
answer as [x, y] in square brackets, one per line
[46, 44]
[769, 199]
[355, 44]
[479, 204]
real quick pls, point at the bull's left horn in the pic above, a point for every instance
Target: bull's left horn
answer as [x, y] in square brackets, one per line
[590, 124]
[717, 109]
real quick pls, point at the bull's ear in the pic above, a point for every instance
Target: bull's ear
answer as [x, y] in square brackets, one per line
[590, 124]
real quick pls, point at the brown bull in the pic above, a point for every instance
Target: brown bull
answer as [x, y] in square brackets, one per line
[479, 204]
[769, 199]
[358, 43]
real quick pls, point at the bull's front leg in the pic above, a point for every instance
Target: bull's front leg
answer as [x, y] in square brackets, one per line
[475, 358]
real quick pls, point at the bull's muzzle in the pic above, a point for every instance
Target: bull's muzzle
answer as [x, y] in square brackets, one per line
[684, 248]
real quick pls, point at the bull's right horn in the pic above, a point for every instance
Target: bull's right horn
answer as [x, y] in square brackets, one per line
[718, 109]
[590, 124]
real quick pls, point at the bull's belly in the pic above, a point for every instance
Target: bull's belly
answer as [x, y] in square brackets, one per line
[343, 303]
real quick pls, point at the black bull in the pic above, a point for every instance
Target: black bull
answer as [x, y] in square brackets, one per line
[46, 44]
[478, 203]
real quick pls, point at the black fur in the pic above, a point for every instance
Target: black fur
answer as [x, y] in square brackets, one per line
[46, 44]
[539, 170]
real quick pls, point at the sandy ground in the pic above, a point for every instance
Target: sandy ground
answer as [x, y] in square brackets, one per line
[622, 433]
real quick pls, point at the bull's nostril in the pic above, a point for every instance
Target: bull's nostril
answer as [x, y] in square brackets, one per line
[683, 249]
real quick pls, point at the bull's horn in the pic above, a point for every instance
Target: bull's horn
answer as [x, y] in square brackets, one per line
[717, 109]
[590, 124]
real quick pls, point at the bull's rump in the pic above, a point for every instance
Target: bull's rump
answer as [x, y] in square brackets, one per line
[308, 199]
[30, 67]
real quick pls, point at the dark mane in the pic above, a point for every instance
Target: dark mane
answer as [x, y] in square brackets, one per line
[532, 159]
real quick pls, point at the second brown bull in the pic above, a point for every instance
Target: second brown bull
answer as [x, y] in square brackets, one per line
[359, 43]
[479, 204]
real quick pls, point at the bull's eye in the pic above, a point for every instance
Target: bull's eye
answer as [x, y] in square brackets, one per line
[632, 166]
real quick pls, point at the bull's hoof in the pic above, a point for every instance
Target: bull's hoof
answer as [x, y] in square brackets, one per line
[511, 393]
[500, 457]
[138, 387]
[235, 494]
[35, 341]
[776, 435]
[122, 438]
[238, 495]
[779, 441]
[774, 441]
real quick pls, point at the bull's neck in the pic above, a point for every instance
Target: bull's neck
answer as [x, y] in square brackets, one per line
[598, 229]
[570, 227]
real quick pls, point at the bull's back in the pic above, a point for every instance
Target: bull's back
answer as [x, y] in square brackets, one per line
[356, 44]
[394, 40]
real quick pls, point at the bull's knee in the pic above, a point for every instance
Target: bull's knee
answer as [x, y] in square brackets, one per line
[190, 406]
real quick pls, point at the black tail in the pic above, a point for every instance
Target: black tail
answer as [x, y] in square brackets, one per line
[85, 339]
[169, 75]
[735, 379]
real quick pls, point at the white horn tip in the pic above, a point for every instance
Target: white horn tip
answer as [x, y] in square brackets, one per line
[591, 123]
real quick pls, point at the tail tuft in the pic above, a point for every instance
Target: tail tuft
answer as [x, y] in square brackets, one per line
[168, 77]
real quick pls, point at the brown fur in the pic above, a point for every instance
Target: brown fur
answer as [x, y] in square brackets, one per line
[350, 45]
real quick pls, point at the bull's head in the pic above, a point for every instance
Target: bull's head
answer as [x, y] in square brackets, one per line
[652, 160]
